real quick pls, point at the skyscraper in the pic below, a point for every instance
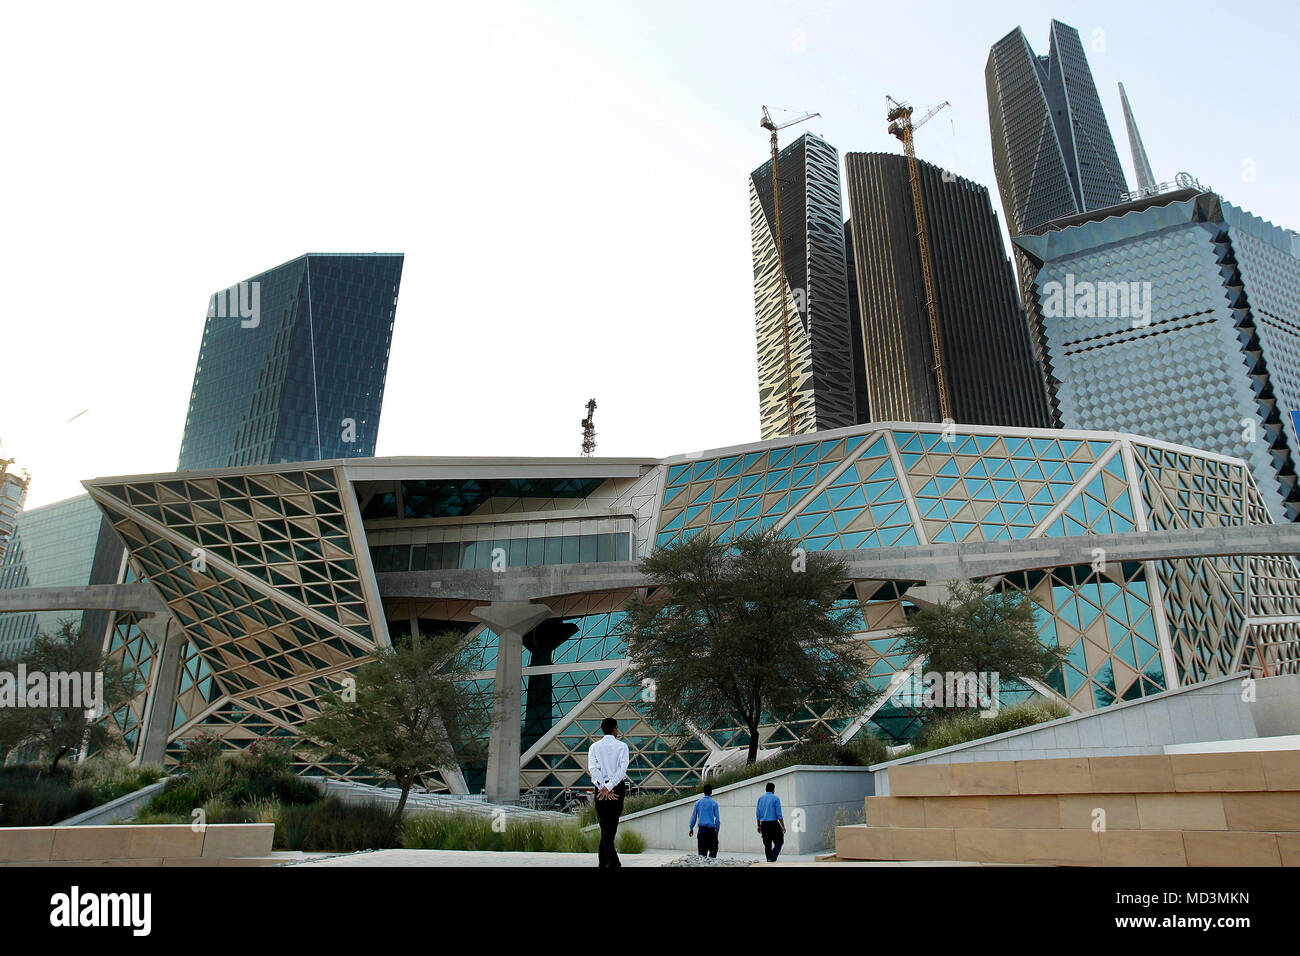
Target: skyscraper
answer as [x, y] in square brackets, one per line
[1052, 149]
[989, 364]
[13, 493]
[57, 545]
[1053, 153]
[1177, 316]
[292, 363]
[806, 303]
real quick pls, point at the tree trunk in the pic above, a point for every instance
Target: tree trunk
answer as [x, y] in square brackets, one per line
[57, 757]
[753, 743]
[406, 790]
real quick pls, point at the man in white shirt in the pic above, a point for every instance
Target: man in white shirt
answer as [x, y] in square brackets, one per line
[607, 762]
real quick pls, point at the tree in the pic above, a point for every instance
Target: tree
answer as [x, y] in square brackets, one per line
[407, 715]
[743, 627]
[982, 631]
[69, 685]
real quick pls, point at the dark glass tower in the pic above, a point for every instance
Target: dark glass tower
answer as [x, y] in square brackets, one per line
[293, 362]
[988, 361]
[808, 299]
[1053, 153]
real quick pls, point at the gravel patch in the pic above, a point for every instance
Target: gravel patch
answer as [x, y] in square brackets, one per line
[696, 860]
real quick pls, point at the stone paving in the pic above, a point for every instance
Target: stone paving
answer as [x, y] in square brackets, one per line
[415, 858]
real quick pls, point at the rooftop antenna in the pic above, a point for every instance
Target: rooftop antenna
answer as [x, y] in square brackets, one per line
[1146, 180]
[589, 429]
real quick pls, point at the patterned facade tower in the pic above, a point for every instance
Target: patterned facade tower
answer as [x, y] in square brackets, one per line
[293, 362]
[808, 299]
[1177, 317]
[991, 372]
[1053, 153]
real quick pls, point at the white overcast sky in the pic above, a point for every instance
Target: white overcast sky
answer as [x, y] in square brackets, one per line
[566, 179]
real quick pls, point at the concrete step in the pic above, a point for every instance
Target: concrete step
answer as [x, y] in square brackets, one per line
[1265, 810]
[1058, 847]
[1155, 773]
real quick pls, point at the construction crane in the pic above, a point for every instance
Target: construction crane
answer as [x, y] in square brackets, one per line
[901, 125]
[589, 429]
[769, 124]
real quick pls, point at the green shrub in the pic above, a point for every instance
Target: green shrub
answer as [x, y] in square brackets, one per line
[179, 797]
[470, 831]
[32, 796]
[109, 779]
[964, 727]
[269, 755]
[629, 841]
[200, 750]
[331, 825]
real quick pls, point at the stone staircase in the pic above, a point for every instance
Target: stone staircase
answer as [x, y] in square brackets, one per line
[1205, 809]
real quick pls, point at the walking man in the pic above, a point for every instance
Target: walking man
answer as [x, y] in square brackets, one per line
[607, 762]
[706, 813]
[771, 823]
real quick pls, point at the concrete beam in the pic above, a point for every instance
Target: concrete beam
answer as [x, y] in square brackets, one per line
[167, 635]
[510, 622]
[137, 596]
[932, 562]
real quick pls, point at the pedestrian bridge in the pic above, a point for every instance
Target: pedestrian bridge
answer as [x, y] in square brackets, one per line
[931, 562]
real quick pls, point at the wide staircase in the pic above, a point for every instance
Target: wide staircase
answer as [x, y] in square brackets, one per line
[1209, 809]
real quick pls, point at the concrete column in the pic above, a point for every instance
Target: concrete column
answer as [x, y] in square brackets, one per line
[168, 636]
[510, 622]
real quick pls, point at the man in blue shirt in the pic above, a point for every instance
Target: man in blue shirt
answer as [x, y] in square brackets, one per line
[710, 820]
[771, 823]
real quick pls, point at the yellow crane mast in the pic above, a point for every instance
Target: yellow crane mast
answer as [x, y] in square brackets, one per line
[901, 126]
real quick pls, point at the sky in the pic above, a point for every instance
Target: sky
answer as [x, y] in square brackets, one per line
[567, 180]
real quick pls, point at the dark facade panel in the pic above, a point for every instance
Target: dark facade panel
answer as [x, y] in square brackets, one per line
[990, 369]
[303, 378]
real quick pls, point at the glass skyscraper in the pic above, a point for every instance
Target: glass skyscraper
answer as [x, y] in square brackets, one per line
[1053, 153]
[292, 363]
[65, 544]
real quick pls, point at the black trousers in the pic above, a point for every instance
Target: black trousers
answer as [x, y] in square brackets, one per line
[607, 813]
[706, 840]
[773, 838]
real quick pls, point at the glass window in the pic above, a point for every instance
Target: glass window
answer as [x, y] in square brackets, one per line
[468, 551]
[587, 548]
[517, 551]
[604, 547]
[419, 553]
[535, 551]
[623, 547]
[554, 550]
[569, 549]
